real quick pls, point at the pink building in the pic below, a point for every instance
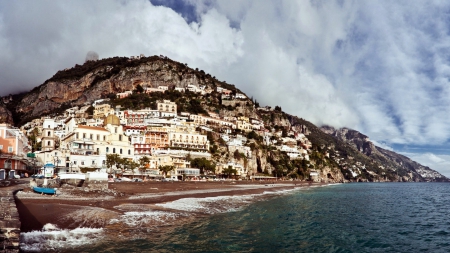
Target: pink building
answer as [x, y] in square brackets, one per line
[14, 147]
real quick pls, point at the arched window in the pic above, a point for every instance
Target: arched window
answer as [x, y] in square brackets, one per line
[129, 152]
[107, 149]
[48, 143]
[48, 133]
[114, 150]
[120, 151]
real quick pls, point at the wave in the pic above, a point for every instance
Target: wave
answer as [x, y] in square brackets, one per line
[210, 205]
[134, 219]
[51, 238]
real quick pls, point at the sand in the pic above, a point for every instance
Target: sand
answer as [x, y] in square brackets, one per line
[166, 202]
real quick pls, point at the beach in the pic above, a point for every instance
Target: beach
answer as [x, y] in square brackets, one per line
[132, 209]
[37, 210]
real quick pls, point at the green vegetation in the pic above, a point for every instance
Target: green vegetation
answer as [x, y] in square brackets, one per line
[204, 165]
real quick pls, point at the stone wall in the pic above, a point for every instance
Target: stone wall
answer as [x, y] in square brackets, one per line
[9, 220]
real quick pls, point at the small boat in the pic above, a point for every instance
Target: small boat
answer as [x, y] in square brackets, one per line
[44, 190]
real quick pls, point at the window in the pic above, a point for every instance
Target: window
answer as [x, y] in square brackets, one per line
[91, 136]
[115, 130]
[129, 152]
[114, 150]
[120, 151]
[104, 137]
[48, 133]
[74, 162]
[120, 137]
[98, 151]
[82, 162]
[48, 143]
[107, 149]
[1, 147]
[78, 135]
[10, 149]
[84, 135]
[98, 137]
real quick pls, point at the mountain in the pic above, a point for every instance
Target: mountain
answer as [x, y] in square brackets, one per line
[342, 155]
[391, 161]
[97, 79]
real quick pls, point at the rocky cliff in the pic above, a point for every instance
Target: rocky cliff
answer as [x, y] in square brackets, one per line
[336, 155]
[97, 79]
[407, 169]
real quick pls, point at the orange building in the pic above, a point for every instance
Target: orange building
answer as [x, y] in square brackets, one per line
[14, 147]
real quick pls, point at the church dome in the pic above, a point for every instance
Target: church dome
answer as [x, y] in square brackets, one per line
[112, 120]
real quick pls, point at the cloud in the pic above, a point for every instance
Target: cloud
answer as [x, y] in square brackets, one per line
[381, 67]
[45, 37]
[382, 145]
[437, 162]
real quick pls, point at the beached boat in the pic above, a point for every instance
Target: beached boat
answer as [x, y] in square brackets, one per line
[44, 190]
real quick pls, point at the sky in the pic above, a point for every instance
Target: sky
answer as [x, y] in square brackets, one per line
[380, 67]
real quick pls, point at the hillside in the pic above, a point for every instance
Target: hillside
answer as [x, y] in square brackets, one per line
[391, 161]
[336, 155]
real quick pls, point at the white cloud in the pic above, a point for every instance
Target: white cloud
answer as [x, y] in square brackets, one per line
[440, 163]
[383, 145]
[381, 67]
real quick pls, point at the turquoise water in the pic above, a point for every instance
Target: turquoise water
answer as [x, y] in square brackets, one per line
[366, 217]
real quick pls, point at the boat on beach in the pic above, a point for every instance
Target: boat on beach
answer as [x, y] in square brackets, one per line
[44, 190]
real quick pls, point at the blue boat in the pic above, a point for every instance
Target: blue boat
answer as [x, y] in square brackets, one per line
[44, 190]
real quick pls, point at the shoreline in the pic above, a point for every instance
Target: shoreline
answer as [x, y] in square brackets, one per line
[37, 210]
[130, 210]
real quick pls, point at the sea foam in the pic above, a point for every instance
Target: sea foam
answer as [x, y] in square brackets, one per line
[51, 238]
[134, 219]
[210, 205]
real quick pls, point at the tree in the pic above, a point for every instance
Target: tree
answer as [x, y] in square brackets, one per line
[112, 159]
[90, 111]
[166, 168]
[228, 171]
[139, 89]
[237, 155]
[132, 165]
[204, 165]
[278, 108]
[143, 161]
[256, 104]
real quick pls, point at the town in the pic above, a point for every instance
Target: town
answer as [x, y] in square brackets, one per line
[162, 143]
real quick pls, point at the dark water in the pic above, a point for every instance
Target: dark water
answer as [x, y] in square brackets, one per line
[366, 217]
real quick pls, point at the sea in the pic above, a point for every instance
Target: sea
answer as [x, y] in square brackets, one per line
[356, 217]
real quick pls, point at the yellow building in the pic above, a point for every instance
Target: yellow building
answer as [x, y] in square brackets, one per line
[101, 111]
[244, 126]
[167, 106]
[191, 140]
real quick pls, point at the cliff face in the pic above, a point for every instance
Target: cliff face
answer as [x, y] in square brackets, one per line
[336, 155]
[95, 80]
[5, 115]
[408, 169]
